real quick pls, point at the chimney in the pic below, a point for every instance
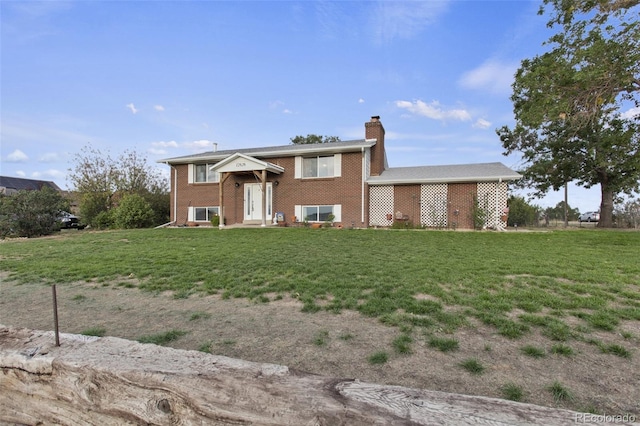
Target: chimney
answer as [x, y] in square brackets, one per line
[215, 147]
[374, 130]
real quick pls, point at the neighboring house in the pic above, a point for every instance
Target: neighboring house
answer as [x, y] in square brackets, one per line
[11, 185]
[347, 182]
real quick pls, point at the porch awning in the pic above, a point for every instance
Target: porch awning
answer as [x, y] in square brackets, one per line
[243, 163]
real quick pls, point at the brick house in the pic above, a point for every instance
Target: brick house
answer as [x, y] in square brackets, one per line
[347, 182]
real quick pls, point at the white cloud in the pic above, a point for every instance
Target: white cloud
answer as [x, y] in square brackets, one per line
[492, 76]
[632, 112]
[17, 156]
[21, 173]
[49, 157]
[48, 174]
[199, 145]
[406, 19]
[132, 108]
[360, 101]
[163, 144]
[481, 123]
[287, 111]
[433, 110]
[157, 107]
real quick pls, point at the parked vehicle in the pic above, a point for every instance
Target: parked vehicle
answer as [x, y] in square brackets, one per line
[589, 217]
[70, 221]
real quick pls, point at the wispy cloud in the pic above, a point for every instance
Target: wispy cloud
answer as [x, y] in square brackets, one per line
[17, 156]
[481, 123]
[404, 19]
[434, 110]
[630, 113]
[49, 157]
[157, 107]
[493, 76]
[132, 108]
[51, 173]
[163, 144]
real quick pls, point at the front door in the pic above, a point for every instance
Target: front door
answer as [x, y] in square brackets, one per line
[253, 202]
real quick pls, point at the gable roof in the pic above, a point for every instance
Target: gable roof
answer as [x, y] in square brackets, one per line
[19, 184]
[241, 163]
[481, 172]
[276, 151]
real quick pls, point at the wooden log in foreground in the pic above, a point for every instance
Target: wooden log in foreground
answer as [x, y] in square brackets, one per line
[112, 381]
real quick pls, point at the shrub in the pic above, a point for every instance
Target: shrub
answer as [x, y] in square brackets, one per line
[31, 213]
[133, 212]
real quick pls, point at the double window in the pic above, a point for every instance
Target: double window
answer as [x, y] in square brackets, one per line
[320, 166]
[320, 213]
[203, 174]
[317, 167]
[202, 214]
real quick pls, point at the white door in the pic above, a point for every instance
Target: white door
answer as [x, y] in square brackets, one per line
[253, 202]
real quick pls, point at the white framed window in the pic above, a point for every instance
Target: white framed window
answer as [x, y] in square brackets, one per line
[202, 214]
[319, 213]
[320, 166]
[200, 173]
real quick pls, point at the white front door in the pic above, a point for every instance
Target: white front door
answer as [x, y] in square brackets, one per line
[253, 202]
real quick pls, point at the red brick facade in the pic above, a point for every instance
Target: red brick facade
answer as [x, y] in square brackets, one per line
[348, 192]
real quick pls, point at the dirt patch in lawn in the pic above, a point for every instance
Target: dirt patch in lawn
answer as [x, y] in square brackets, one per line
[339, 345]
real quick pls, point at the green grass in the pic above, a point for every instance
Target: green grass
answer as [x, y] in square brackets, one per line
[162, 338]
[559, 392]
[512, 392]
[562, 349]
[406, 279]
[473, 366]
[199, 315]
[402, 344]
[380, 357]
[321, 338]
[533, 351]
[95, 331]
[443, 344]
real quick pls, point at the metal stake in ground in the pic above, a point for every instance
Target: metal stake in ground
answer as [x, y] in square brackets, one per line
[55, 314]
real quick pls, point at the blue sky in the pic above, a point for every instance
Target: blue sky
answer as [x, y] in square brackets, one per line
[171, 78]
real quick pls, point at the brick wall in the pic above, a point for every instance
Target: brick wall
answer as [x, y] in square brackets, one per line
[407, 201]
[460, 198]
[344, 190]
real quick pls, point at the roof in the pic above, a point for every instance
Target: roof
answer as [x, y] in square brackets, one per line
[276, 151]
[240, 162]
[19, 184]
[481, 172]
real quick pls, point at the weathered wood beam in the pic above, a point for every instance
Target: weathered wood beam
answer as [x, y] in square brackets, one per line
[112, 381]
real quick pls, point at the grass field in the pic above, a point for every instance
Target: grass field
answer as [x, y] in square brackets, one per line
[435, 280]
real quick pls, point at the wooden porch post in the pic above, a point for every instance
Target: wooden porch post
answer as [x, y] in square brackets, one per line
[223, 177]
[263, 179]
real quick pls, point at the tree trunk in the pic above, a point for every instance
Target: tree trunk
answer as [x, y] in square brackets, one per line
[606, 206]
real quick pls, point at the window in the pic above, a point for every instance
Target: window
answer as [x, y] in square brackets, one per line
[317, 167]
[317, 213]
[203, 174]
[204, 214]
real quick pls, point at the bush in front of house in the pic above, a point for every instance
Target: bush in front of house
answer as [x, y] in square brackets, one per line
[133, 212]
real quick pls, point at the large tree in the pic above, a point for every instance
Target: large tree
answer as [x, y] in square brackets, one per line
[102, 182]
[311, 139]
[574, 105]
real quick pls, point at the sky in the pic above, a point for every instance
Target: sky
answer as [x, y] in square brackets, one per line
[171, 78]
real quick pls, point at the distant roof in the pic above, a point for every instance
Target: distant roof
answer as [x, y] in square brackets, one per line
[18, 184]
[481, 172]
[276, 151]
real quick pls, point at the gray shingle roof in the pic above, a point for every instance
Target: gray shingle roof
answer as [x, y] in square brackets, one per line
[481, 172]
[275, 151]
[19, 184]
